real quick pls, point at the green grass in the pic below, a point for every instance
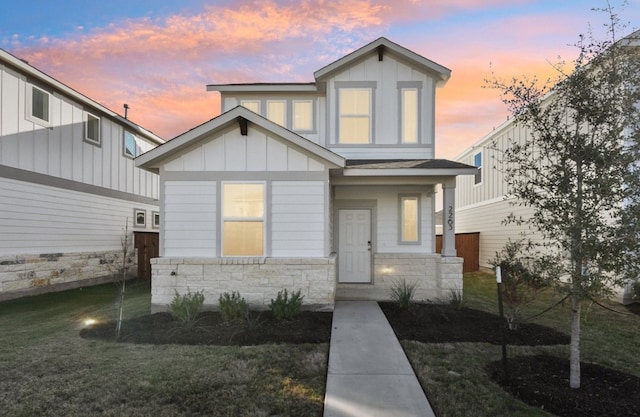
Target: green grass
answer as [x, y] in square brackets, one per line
[453, 375]
[48, 370]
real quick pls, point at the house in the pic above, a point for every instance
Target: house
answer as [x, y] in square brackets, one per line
[68, 183]
[326, 187]
[483, 202]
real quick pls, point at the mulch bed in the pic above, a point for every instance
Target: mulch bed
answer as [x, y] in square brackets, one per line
[210, 329]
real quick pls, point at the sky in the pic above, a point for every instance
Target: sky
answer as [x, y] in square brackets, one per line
[158, 55]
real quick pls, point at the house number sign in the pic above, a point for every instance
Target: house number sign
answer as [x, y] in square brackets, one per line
[450, 217]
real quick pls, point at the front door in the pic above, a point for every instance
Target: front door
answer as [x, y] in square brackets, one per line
[354, 241]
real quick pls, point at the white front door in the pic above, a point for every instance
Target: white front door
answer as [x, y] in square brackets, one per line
[354, 240]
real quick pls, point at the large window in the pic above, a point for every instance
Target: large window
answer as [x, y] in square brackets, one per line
[409, 219]
[92, 129]
[409, 114]
[302, 115]
[253, 105]
[477, 162]
[131, 147]
[38, 106]
[243, 219]
[276, 111]
[355, 115]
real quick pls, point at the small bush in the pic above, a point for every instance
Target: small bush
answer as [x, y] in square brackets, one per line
[232, 307]
[185, 308]
[285, 307]
[402, 293]
[455, 298]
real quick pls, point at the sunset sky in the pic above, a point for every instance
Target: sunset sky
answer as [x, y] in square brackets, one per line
[158, 55]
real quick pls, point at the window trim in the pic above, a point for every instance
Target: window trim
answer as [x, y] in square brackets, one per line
[480, 175]
[124, 145]
[224, 218]
[242, 102]
[136, 213]
[402, 87]
[155, 215]
[356, 85]
[293, 115]
[29, 106]
[284, 113]
[97, 142]
[401, 199]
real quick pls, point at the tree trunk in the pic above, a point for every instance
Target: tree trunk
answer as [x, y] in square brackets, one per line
[574, 373]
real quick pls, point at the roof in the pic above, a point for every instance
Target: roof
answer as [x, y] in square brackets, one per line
[263, 87]
[150, 159]
[384, 45]
[32, 71]
[423, 167]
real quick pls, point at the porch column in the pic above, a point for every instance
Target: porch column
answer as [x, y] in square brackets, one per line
[449, 218]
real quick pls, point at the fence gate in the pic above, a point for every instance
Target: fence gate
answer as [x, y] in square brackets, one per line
[147, 245]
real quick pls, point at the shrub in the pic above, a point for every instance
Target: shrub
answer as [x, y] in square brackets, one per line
[402, 293]
[285, 307]
[185, 308]
[232, 306]
[455, 298]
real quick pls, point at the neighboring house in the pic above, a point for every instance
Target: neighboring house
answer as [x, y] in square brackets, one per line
[326, 187]
[68, 183]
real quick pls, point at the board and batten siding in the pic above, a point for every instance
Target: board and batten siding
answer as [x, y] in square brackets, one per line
[60, 149]
[40, 219]
[386, 75]
[298, 218]
[189, 219]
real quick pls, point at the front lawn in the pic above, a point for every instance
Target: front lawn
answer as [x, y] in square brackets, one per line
[47, 369]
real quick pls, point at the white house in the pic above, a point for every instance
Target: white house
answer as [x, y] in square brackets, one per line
[326, 187]
[68, 183]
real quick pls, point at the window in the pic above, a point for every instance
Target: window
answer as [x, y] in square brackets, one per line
[140, 217]
[303, 115]
[409, 219]
[38, 107]
[409, 112]
[243, 219]
[477, 162]
[355, 115]
[253, 105]
[276, 111]
[92, 129]
[131, 147]
[155, 219]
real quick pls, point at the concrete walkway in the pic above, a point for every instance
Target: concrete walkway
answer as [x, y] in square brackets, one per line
[369, 374]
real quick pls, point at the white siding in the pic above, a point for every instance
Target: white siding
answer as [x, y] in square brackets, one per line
[189, 218]
[60, 150]
[298, 218]
[387, 221]
[41, 219]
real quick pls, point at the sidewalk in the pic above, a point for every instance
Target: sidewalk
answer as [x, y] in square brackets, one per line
[369, 374]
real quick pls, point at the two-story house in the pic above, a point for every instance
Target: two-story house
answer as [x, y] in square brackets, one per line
[326, 187]
[68, 183]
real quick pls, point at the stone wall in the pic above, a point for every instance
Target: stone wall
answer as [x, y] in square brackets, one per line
[258, 280]
[22, 275]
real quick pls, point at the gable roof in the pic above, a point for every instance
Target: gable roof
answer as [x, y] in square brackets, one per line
[24, 67]
[382, 46]
[239, 114]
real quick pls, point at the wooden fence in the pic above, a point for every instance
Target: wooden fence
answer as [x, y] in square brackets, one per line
[467, 247]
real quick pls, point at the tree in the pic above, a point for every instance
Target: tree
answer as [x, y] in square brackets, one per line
[579, 167]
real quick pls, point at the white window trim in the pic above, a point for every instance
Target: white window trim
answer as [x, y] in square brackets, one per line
[29, 106]
[284, 102]
[263, 219]
[86, 129]
[356, 85]
[476, 184]
[136, 223]
[293, 116]
[155, 215]
[242, 103]
[401, 198]
[124, 145]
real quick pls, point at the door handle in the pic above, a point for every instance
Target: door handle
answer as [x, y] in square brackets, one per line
[369, 246]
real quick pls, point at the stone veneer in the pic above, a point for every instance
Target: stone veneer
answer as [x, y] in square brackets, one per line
[258, 280]
[22, 275]
[434, 275]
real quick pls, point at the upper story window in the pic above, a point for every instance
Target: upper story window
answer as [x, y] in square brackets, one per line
[477, 162]
[355, 112]
[276, 111]
[302, 115]
[410, 219]
[38, 106]
[243, 219]
[92, 129]
[253, 105]
[409, 115]
[131, 146]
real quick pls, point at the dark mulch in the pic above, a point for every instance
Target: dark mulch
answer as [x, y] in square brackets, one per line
[442, 323]
[634, 308]
[162, 328]
[543, 381]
